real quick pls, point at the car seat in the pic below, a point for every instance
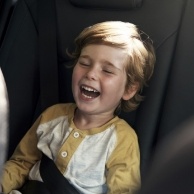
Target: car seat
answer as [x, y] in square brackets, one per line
[31, 89]
[6, 9]
[172, 169]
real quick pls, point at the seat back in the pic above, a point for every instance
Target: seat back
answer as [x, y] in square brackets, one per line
[6, 10]
[151, 17]
[171, 170]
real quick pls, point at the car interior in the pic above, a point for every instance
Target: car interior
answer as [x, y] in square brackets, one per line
[34, 37]
[3, 121]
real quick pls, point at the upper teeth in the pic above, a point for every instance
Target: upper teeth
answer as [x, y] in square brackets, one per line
[89, 89]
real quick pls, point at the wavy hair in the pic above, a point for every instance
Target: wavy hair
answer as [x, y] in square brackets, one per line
[138, 47]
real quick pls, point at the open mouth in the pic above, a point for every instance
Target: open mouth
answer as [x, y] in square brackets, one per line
[89, 92]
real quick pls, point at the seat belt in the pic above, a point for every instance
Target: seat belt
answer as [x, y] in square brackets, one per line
[53, 178]
[47, 53]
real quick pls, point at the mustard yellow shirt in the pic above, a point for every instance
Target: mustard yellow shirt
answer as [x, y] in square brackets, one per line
[99, 160]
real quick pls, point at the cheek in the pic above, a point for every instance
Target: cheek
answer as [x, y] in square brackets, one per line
[116, 86]
[74, 79]
[121, 85]
[75, 75]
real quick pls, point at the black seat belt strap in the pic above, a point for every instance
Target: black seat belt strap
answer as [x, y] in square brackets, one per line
[54, 179]
[47, 51]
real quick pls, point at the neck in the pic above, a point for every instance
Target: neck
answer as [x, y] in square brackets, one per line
[89, 121]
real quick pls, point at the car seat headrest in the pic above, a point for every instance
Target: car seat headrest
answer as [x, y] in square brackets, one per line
[110, 4]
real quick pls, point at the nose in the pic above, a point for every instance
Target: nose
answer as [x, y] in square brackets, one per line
[92, 74]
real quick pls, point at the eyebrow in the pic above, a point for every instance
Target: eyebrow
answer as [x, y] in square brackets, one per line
[84, 56]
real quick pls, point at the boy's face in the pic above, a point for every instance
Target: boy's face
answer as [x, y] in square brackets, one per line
[99, 79]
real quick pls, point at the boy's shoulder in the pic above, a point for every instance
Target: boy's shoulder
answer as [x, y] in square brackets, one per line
[62, 107]
[59, 110]
[124, 129]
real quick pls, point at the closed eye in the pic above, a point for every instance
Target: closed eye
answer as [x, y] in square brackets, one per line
[108, 71]
[84, 63]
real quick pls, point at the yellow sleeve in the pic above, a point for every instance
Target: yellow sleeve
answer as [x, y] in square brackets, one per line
[123, 167]
[17, 168]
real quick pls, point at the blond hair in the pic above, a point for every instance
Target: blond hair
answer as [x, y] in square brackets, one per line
[141, 57]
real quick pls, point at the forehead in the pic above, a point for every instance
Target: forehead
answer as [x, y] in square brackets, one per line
[105, 53]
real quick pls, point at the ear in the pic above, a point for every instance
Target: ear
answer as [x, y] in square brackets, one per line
[130, 92]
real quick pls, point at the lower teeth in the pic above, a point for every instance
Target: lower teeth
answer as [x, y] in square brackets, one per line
[86, 96]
